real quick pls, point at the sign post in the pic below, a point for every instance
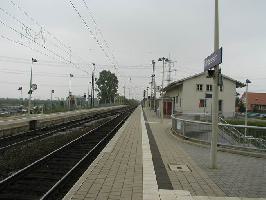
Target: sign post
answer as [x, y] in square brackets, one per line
[213, 158]
[212, 62]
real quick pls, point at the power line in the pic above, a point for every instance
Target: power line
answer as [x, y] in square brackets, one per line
[63, 47]
[40, 84]
[54, 63]
[46, 74]
[36, 22]
[100, 32]
[36, 50]
[91, 32]
[28, 31]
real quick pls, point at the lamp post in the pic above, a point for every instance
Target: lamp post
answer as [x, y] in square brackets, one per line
[151, 93]
[20, 89]
[70, 84]
[147, 104]
[92, 85]
[88, 97]
[124, 87]
[52, 92]
[31, 89]
[246, 114]
[154, 85]
[161, 105]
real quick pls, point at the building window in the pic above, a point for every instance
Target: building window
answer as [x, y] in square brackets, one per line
[220, 105]
[199, 87]
[176, 99]
[221, 88]
[209, 88]
[202, 103]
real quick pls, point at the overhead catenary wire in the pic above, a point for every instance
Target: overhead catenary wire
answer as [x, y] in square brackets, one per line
[100, 32]
[47, 74]
[91, 32]
[36, 50]
[64, 47]
[28, 31]
[23, 11]
[55, 63]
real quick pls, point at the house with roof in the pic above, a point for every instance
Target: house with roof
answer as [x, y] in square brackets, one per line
[193, 95]
[256, 101]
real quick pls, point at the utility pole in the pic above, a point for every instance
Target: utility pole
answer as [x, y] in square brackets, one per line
[154, 85]
[129, 89]
[169, 73]
[246, 113]
[20, 89]
[88, 97]
[124, 94]
[147, 104]
[69, 92]
[215, 93]
[151, 92]
[92, 86]
[161, 104]
[31, 89]
[52, 91]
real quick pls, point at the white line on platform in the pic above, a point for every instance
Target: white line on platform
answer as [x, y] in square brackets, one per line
[151, 122]
[150, 186]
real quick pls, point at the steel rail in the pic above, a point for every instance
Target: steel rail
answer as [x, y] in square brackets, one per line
[61, 181]
[94, 139]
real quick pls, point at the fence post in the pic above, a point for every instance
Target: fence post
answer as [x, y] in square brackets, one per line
[183, 128]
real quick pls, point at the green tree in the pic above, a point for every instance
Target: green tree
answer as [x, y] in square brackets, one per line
[242, 107]
[107, 86]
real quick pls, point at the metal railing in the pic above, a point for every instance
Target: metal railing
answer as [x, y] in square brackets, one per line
[232, 135]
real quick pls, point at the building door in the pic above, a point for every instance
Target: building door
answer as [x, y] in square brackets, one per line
[167, 108]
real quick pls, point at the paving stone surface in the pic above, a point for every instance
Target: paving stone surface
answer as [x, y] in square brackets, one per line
[125, 168]
[236, 176]
[197, 182]
[117, 171]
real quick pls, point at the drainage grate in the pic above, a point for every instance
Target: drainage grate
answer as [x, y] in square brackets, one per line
[179, 168]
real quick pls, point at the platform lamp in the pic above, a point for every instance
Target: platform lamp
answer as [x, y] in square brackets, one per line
[147, 103]
[33, 60]
[20, 89]
[52, 92]
[246, 114]
[92, 85]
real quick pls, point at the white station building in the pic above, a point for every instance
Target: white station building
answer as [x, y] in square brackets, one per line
[193, 95]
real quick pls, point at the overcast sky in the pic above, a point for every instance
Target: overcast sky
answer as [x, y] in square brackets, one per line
[132, 34]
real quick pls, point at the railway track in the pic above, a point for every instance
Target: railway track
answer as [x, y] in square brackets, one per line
[53, 175]
[29, 136]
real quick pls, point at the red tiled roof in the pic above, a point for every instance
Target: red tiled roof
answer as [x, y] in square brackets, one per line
[255, 99]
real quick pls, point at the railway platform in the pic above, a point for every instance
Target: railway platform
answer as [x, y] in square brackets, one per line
[144, 160]
[21, 123]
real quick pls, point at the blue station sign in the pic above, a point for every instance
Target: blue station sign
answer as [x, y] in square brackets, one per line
[213, 60]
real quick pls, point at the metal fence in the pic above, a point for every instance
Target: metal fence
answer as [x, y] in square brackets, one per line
[233, 135]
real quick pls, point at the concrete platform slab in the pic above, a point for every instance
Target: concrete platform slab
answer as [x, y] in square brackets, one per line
[131, 165]
[238, 176]
[117, 171]
[20, 124]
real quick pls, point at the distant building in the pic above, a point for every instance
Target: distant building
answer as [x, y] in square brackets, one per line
[194, 95]
[256, 101]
